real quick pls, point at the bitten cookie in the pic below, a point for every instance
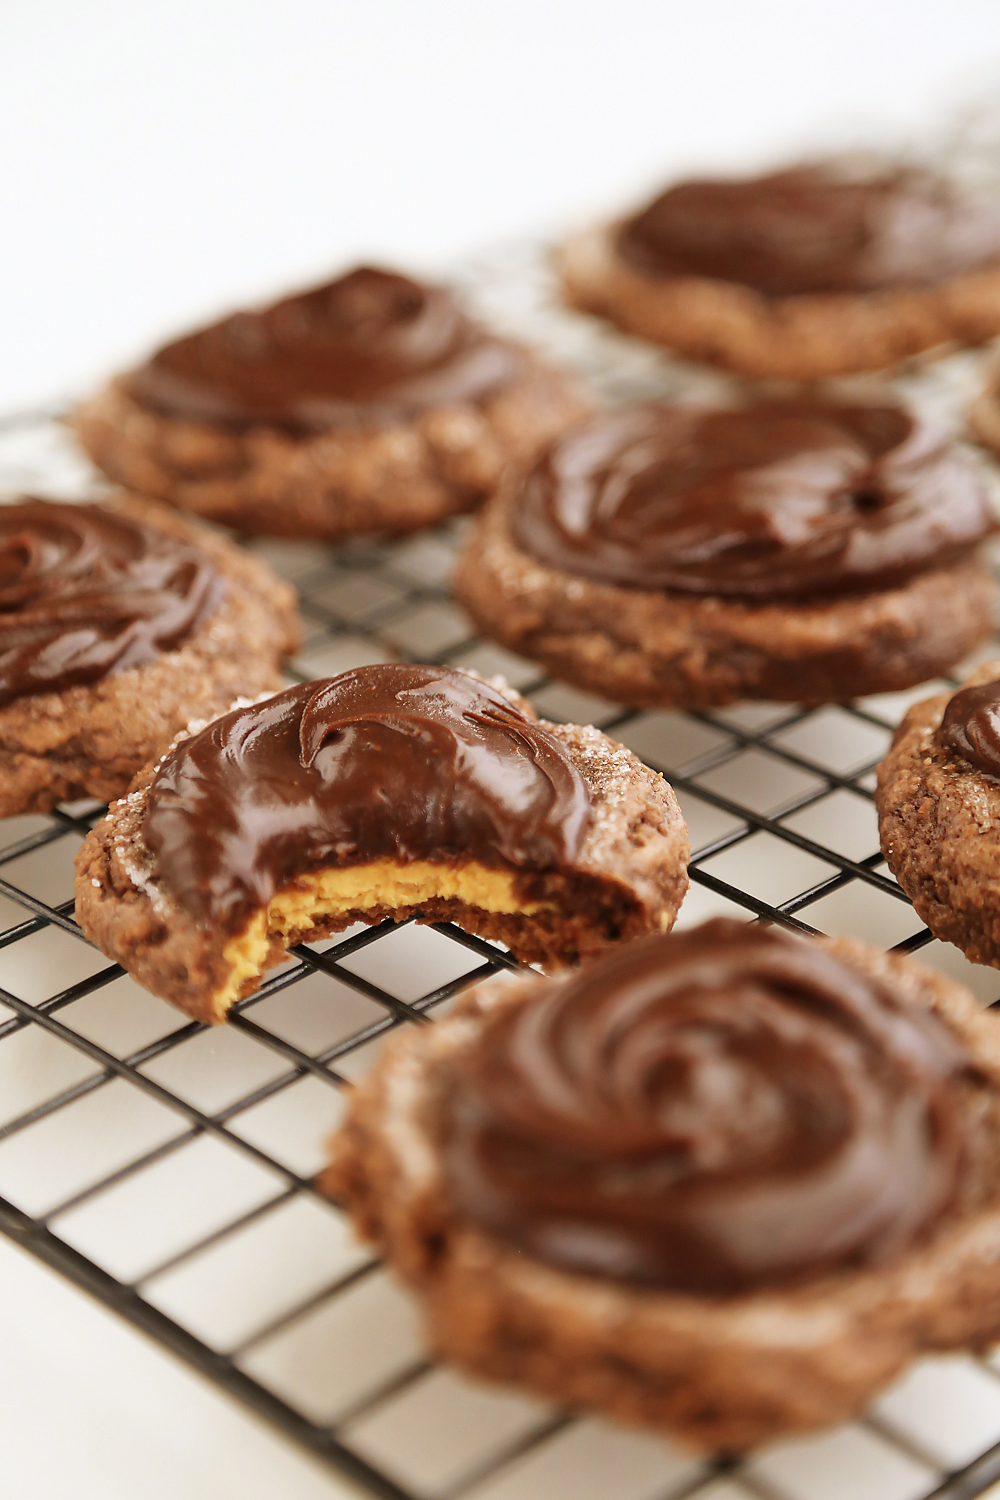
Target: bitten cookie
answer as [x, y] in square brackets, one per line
[373, 403]
[809, 272]
[725, 1183]
[684, 557]
[938, 802]
[119, 623]
[389, 792]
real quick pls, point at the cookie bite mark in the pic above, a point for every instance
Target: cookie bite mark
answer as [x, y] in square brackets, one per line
[938, 802]
[676, 556]
[119, 623]
[388, 792]
[813, 271]
[371, 403]
[724, 1183]
[345, 896]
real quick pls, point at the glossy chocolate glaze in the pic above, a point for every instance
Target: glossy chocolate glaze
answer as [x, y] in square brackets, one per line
[87, 592]
[971, 726]
[384, 762]
[369, 349]
[708, 1112]
[816, 228]
[778, 500]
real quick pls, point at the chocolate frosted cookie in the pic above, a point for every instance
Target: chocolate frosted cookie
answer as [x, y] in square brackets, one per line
[373, 403]
[812, 271]
[726, 1183]
[681, 556]
[119, 623]
[388, 792]
[938, 802]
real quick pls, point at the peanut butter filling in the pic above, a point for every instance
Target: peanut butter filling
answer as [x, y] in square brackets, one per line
[330, 894]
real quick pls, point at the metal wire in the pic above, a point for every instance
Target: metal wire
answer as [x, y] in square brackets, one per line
[779, 800]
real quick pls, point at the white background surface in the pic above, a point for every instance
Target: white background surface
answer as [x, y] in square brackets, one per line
[160, 161]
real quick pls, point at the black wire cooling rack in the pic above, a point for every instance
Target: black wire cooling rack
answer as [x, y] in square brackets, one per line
[166, 1167]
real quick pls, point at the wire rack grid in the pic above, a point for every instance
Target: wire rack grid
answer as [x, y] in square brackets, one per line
[166, 1167]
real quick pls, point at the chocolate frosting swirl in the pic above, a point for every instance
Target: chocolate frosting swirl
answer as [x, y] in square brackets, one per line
[367, 350]
[817, 228]
[971, 726]
[771, 501]
[384, 762]
[87, 592]
[709, 1112]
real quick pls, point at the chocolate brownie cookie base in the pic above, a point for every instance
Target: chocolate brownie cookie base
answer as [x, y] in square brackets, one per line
[939, 823]
[722, 1373]
[91, 739]
[629, 879]
[334, 484]
[805, 337]
[656, 650]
